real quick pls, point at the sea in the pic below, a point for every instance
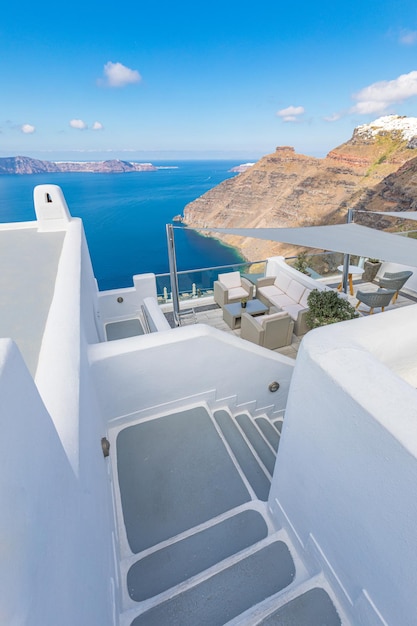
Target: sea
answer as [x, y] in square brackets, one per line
[125, 216]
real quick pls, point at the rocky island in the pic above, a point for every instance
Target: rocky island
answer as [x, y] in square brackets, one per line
[376, 170]
[26, 165]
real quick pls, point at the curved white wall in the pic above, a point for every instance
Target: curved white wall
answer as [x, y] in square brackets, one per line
[345, 480]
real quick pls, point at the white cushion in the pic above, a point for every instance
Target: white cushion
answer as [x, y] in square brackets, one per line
[295, 290]
[303, 300]
[237, 292]
[273, 316]
[230, 280]
[269, 291]
[293, 310]
[282, 281]
[281, 300]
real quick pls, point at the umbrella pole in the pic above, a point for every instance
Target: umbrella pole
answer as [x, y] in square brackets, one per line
[346, 258]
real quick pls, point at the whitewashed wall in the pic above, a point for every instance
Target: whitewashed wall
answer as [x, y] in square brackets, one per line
[56, 564]
[116, 304]
[345, 481]
[160, 368]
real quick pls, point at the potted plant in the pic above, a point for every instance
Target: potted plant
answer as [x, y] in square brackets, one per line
[327, 307]
[371, 267]
[243, 303]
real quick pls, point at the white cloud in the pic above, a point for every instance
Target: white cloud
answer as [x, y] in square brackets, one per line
[379, 96]
[28, 129]
[290, 113]
[118, 75]
[333, 118]
[78, 124]
[97, 126]
[408, 37]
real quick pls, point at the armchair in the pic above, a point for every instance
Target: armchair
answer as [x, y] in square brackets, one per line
[270, 331]
[232, 287]
[375, 299]
[394, 280]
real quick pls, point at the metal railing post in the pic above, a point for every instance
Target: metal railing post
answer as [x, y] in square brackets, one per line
[346, 258]
[173, 273]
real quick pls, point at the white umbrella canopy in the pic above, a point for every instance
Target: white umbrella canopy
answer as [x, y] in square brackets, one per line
[345, 238]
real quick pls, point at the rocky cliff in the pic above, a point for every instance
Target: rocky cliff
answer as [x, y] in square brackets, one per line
[375, 170]
[26, 165]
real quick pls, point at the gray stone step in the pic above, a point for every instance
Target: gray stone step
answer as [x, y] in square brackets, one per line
[269, 431]
[227, 593]
[244, 456]
[262, 449]
[183, 559]
[278, 425]
[174, 473]
[312, 608]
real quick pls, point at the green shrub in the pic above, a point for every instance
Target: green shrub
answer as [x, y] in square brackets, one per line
[327, 307]
[301, 263]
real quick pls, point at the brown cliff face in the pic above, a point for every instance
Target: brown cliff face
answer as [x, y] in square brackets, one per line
[287, 189]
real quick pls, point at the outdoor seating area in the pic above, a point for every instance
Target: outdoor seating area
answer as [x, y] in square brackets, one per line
[275, 306]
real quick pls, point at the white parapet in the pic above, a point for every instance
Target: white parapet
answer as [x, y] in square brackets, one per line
[345, 480]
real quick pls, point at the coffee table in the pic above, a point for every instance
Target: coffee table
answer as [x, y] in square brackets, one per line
[233, 312]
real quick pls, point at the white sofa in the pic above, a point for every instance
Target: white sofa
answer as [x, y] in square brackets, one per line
[288, 290]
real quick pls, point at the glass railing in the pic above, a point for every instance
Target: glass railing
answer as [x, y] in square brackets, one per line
[322, 265]
[194, 284]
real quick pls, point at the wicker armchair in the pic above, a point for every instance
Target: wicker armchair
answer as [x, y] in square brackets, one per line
[394, 280]
[375, 299]
[232, 287]
[270, 331]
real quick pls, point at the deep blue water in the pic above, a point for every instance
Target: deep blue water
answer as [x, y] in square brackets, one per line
[124, 216]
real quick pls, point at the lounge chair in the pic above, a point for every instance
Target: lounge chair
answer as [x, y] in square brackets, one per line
[375, 299]
[394, 280]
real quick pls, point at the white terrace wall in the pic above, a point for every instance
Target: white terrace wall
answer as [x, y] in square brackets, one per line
[161, 368]
[277, 264]
[118, 304]
[56, 565]
[345, 480]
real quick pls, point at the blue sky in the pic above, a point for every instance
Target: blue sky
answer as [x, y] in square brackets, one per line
[169, 80]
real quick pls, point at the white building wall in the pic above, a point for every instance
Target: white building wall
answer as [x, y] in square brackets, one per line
[118, 304]
[160, 368]
[56, 564]
[58, 560]
[345, 480]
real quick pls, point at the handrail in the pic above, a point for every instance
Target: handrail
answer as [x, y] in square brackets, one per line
[145, 320]
[214, 267]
